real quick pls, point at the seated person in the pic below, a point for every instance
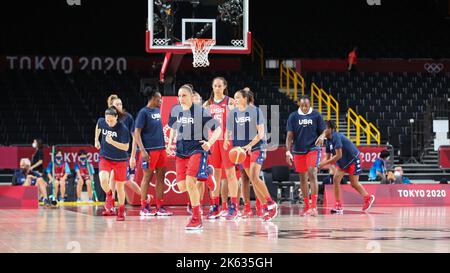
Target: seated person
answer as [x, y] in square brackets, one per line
[26, 177]
[61, 170]
[82, 172]
[396, 177]
[378, 170]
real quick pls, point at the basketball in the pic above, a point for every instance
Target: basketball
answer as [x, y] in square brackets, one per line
[237, 155]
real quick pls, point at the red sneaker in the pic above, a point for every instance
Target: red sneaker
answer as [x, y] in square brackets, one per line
[271, 212]
[247, 213]
[194, 224]
[368, 201]
[109, 206]
[121, 213]
[337, 208]
[259, 211]
[305, 212]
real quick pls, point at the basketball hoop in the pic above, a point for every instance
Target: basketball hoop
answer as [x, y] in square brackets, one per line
[200, 49]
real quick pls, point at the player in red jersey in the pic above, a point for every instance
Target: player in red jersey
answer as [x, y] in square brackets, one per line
[219, 105]
[62, 170]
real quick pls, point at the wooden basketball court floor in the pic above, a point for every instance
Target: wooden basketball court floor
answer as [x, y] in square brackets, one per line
[81, 229]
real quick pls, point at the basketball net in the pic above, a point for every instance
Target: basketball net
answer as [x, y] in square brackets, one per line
[200, 49]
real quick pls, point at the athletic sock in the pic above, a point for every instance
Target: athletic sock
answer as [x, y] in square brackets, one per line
[158, 203]
[234, 202]
[196, 211]
[306, 200]
[314, 201]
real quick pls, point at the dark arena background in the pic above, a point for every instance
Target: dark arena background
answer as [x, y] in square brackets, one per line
[377, 71]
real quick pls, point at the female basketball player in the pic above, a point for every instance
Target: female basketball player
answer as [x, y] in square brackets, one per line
[346, 157]
[187, 120]
[210, 180]
[62, 170]
[113, 157]
[218, 106]
[245, 127]
[305, 127]
[149, 136]
[246, 180]
[82, 172]
[127, 119]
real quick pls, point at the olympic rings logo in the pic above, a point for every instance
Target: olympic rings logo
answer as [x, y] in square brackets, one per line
[433, 68]
[170, 183]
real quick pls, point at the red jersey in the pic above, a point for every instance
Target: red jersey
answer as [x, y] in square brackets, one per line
[219, 111]
[352, 57]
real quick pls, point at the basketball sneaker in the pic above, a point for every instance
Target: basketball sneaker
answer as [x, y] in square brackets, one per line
[247, 212]
[337, 208]
[162, 211]
[305, 211]
[189, 208]
[313, 212]
[109, 206]
[47, 202]
[194, 224]
[368, 201]
[145, 209]
[232, 213]
[224, 211]
[214, 212]
[271, 212]
[259, 211]
[121, 213]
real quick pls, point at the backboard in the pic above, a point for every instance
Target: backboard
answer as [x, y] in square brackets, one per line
[172, 22]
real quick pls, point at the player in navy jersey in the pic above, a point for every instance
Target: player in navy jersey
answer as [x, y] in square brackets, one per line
[342, 152]
[246, 129]
[305, 127]
[115, 139]
[190, 123]
[201, 181]
[62, 170]
[149, 137]
[127, 119]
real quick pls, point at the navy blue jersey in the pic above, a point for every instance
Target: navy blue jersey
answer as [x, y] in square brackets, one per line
[191, 126]
[20, 176]
[306, 128]
[243, 126]
[120, 134]
[152, 134]
[349, 151]
[128, 121]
